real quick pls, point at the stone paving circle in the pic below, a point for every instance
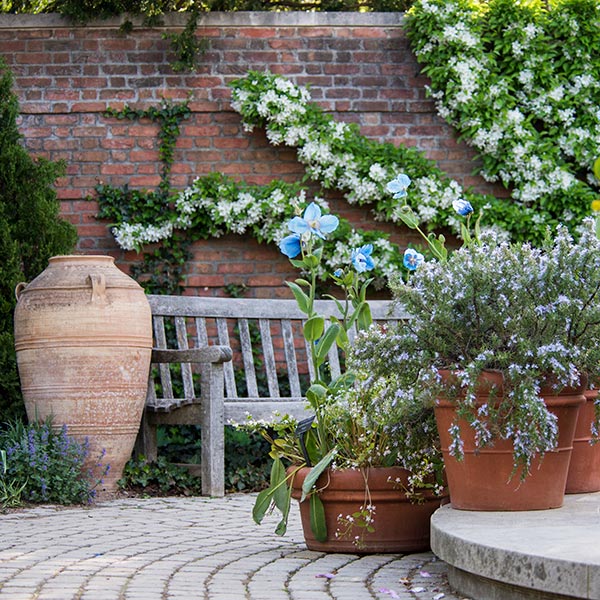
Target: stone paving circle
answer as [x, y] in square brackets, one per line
[192, 548]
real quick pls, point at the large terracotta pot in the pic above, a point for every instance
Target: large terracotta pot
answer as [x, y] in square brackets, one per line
[401, 524]
[584, 468]
[484, 479]
[83, 336]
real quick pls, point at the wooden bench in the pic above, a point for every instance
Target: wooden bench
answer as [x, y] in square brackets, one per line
[217, 360]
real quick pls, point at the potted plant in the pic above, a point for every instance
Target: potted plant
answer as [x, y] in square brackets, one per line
[501, 341]
[365, 465]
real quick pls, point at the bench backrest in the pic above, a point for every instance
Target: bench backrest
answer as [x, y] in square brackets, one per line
[270, 369]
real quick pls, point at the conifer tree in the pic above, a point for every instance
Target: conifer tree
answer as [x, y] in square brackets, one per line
[31, 230]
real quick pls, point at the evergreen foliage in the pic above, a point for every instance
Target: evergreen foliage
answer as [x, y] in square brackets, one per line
[151, 10]
[30, 229]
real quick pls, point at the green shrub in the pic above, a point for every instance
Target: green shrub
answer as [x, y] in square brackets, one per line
[158, 478]
[245, 466]
[44, 465]
[31, 230]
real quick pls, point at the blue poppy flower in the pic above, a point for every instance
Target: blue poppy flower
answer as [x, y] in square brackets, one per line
[398, 186]
[338, 273]
[291, 246]
[462, 207]
[361, 258]
[312, 222]
[412, 259]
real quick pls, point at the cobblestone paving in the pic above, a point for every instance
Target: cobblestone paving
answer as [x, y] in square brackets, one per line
[188, 549]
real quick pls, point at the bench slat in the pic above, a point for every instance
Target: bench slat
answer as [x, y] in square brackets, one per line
[223, 335]
[257, 308]
[186, 368]
[290, 357]
[248, 357]
[160, 339]
[269, 357]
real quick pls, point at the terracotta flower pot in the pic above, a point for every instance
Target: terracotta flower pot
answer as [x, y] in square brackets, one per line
[83, 336]
[484, 479]
[584, 468]
[401, 525]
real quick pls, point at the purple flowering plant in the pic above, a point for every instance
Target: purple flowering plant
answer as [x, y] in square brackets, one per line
[44, 464]
[529, 313]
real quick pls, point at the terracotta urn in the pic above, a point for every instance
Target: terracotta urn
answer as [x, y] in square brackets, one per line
[83, 337]
[584, 468]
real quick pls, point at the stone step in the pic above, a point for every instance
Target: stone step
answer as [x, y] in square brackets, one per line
[546, 554]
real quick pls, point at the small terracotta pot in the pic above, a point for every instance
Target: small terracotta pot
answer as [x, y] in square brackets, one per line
[401, 525]
[584, 468]
[484, 479]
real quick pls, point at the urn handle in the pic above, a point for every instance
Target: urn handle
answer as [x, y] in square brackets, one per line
[98, 282]
[19, 289]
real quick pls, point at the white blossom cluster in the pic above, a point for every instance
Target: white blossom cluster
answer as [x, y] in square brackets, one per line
[332, 151]
[233, 208]
[535, 129]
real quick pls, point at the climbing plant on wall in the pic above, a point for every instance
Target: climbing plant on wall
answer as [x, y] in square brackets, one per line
[211, 207]
[337, 156]
[521, 83]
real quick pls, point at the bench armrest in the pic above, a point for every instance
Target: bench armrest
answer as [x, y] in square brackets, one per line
[208, 354]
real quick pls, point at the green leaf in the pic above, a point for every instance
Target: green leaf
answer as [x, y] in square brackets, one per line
[318, 525]
[279, 486]
[438, 247]
[364, 318]
[312, 260]
[299, 264]
[344, 381]
[301, 298]
[303, 282]
[328, 339]
[342, 340]
[262, 505]
[315, 473]
[363, 289]
[315, 394]
[408, 217]
[597, 168]
[313, 328]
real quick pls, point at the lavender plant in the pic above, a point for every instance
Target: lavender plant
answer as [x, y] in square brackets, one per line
[532, 314]
[47, 465]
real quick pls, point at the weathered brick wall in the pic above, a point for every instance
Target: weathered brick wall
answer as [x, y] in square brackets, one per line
[359, 67]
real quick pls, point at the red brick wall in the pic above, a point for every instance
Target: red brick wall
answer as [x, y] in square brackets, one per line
[359, 67]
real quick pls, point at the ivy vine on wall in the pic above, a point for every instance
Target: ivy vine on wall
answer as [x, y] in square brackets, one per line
[161, 269]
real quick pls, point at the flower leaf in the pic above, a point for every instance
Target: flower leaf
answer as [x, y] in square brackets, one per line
[363, 316]
[318, 524]
[314, 328]
[315, 473]
[408, 217]
[315, 394]
[261, 505]
[329, 338]
[301, 298]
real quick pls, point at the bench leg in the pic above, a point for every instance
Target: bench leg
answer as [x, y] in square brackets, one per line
[213, 432]
[146, 443]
